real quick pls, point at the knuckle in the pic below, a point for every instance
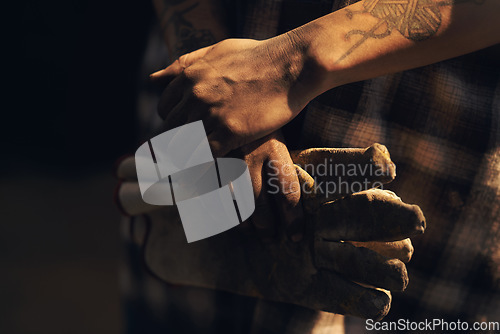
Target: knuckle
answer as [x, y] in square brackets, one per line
[199, 92]
[182, 61]
[232, 127]
[190, 73]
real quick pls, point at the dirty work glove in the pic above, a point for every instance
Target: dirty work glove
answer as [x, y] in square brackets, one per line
[352, 235]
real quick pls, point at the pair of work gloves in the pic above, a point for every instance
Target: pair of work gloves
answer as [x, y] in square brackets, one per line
[353, 247]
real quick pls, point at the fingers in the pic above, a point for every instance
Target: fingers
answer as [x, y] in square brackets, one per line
[283, 183]
[402, 249]
[372, 215]
[377, 156]
[126, 169]
[186, 111]
[361, 265]
[332, 293]
[264, 218]
[310, 202]
[276, 186]
[170, 98]
[127, 193]
[340, 172]
[173, 93]
[166, 75]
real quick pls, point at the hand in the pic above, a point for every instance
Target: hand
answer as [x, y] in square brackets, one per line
[276, 187]
[242, 89]
[356, 238]
[269, 164]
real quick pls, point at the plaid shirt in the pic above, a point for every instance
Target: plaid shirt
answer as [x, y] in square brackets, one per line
[441, 124]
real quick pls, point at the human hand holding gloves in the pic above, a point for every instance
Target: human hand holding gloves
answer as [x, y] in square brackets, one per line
[355, 234]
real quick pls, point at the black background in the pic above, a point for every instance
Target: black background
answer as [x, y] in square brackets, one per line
[68, 114]
[77, 74]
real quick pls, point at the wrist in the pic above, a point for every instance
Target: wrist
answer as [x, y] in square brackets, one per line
[297, 67]
[320, 71]
[325, 48]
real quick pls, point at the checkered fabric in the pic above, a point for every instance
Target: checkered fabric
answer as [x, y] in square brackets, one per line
[441, 124]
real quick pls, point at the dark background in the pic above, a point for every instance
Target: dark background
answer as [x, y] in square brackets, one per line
[68, 114]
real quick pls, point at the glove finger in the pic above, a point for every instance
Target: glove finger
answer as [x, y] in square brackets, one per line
[402, 249]
[331, 292]
[340, 159]
[371, 215]
[129, 200]
[361, 265]
[310, 202]
[340, 172]
[126, 169]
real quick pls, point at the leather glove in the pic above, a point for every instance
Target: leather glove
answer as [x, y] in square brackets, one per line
[352, 254]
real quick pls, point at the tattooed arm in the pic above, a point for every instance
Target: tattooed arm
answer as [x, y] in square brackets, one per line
[377, 37]
[188, 25]
[245, 89]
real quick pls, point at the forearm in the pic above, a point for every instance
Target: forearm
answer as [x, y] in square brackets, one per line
[188, 25]
[246, 89]
[378, 37]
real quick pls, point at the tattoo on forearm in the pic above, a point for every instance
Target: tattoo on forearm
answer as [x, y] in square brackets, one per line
[416, 20]
[188, 37]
